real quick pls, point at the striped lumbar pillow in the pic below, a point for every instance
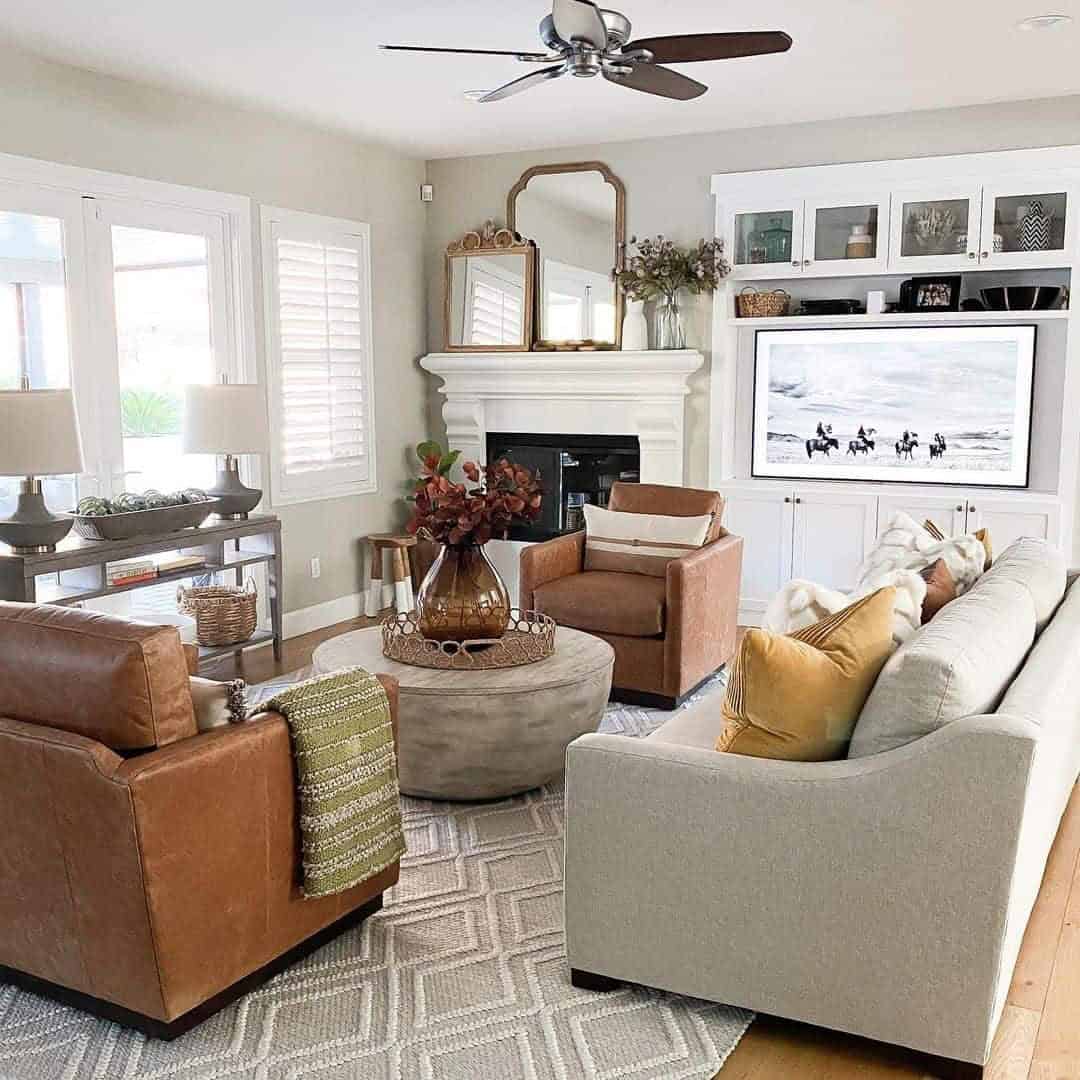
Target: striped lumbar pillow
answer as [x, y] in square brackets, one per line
[640, 543]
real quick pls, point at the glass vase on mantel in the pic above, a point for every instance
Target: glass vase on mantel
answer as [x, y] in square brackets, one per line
[462, 597]
[668, 330]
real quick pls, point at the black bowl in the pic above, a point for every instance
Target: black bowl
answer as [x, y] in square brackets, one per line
[1021, 297]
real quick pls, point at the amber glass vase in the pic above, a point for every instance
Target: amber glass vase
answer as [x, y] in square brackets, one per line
[462, 596]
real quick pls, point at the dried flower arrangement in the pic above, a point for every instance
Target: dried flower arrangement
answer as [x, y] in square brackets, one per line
[502, 494]
[660, 268]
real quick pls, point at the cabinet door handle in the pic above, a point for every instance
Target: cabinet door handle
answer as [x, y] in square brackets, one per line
[971, 509]
[960, 509]
[972, 255]
[806, 262]
[985, 255]
[797, 499]
[796, 262]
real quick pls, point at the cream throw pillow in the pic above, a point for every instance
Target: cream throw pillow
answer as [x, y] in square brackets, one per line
[218, 704]
[798, 697]
[640, 543]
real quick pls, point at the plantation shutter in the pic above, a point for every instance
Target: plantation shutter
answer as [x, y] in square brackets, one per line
[494, 307]
[323, 434]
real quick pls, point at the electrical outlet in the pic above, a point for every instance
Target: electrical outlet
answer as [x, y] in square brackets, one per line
[316, 568]
[427, 193]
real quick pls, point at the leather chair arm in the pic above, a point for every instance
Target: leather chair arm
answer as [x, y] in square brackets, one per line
[191, 655]
[702, 613]
[219, 842]
[550, 561]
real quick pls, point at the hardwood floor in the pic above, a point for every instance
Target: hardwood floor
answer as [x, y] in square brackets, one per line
[1039, 1035]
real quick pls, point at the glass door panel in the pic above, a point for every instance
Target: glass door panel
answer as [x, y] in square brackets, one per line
[938, 230]
[767, 243]
[846, 238]
[164, 340]
[34, 335]
[1024, 229]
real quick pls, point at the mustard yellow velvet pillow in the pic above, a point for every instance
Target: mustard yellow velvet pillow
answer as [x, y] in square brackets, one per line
[797, 697]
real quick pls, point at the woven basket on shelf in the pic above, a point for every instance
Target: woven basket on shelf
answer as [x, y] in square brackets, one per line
[224, 615]
[751, 304]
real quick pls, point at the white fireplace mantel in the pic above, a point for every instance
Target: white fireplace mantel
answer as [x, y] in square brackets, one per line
[573, 393]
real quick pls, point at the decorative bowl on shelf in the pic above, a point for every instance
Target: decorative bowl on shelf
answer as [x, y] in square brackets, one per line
[1022, 297]
[126, 525]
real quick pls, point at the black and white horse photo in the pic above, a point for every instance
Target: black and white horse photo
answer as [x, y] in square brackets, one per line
[905, 447]
[822, 446]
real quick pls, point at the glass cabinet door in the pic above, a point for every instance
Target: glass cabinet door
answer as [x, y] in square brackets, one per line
[1024, 226]
[935, 230]
[846, 237]
[767, 243]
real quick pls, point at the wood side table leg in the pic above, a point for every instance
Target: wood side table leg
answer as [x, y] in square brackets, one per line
[410, 595]
[401, 588]
[274, 581]
[373, 601]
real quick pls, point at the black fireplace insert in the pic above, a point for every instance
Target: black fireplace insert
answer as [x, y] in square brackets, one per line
[574, 470]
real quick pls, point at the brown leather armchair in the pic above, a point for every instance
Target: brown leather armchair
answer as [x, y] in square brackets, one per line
[669, 634]
[150, 873]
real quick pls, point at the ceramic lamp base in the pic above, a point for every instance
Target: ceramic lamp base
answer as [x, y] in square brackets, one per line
[237, 500]
[33, 528]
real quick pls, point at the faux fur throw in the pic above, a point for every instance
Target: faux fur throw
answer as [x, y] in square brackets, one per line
[350, 812]
[802, 603]
[907, 545]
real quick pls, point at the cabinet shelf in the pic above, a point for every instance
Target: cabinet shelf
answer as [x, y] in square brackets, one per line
[901, 318]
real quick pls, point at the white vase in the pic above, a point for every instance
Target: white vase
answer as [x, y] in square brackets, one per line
[635, 330]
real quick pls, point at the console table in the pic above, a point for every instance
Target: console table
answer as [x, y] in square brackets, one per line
[76, 570]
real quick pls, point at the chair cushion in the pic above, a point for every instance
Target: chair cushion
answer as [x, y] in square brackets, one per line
[959, 664]
[122, 683]
[606, 602]
[797, 697]
[640, 543]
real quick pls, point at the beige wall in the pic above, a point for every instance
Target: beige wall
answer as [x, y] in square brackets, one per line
[667, 186]
[67, 115]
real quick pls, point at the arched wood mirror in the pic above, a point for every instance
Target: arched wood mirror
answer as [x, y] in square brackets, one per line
[575, 214]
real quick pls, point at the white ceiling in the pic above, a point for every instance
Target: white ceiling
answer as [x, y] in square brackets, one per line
[317, 59]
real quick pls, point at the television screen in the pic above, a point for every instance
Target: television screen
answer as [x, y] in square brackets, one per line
[926, 405]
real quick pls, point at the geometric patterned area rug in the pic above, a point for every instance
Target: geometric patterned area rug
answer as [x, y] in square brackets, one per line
[461, 976]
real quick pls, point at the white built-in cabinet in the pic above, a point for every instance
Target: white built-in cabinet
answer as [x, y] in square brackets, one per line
[943, 226]
[822, 534]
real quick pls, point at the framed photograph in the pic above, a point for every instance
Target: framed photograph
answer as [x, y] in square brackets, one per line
[919, 405]
[931, 293]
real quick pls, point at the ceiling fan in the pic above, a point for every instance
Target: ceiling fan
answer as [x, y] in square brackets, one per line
[586, 40]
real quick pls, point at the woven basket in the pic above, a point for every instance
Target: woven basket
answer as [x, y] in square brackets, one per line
[224, 615]
[751, 304]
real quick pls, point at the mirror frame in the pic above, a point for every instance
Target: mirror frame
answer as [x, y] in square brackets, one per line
[500, 242]
[620, 237]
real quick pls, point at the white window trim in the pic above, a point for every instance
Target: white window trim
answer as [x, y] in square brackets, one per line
[236, 214]
[319, 228]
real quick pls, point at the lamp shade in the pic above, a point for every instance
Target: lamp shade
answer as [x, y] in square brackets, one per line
[228, 418]
[39, 433]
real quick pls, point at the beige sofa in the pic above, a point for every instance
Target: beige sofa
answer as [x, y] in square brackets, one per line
[884, 895]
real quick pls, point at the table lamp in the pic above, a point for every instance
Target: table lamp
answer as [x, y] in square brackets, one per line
[228, 419]
[39, 436]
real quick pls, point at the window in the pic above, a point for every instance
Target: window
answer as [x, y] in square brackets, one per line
[318, 311]
[578, 303]
[495, 300]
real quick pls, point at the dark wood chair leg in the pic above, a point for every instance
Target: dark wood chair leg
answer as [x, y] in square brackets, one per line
[586, 980]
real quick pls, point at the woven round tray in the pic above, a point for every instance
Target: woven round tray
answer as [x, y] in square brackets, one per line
[530, 637]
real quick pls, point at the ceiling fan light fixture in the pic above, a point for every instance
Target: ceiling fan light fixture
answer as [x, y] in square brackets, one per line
[1044, 22]
[475, 95]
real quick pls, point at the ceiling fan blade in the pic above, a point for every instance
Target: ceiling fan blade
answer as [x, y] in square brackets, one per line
[579, 21]
[469, 52]
[534, 78]
[651, 79]
[687, 48]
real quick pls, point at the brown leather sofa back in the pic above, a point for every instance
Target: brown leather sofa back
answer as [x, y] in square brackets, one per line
[120, 683]
[669, 502]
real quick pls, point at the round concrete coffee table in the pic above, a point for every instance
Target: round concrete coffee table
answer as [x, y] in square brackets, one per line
[486, 734]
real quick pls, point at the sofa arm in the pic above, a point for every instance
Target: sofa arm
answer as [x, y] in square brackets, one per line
[549, 561]
[866, 895]
[219, 841]
[702, 613]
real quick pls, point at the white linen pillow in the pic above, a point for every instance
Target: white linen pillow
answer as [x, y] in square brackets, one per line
[640, 543]
[907, 545]
[802, 603]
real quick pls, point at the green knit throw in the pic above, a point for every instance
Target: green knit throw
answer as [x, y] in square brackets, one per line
[343, 743]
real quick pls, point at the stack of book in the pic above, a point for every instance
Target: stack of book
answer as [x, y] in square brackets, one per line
[169, 564]
[130, 572]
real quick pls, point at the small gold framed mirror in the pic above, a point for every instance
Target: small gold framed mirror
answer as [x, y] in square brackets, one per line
[575, 214]
[490, 278]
